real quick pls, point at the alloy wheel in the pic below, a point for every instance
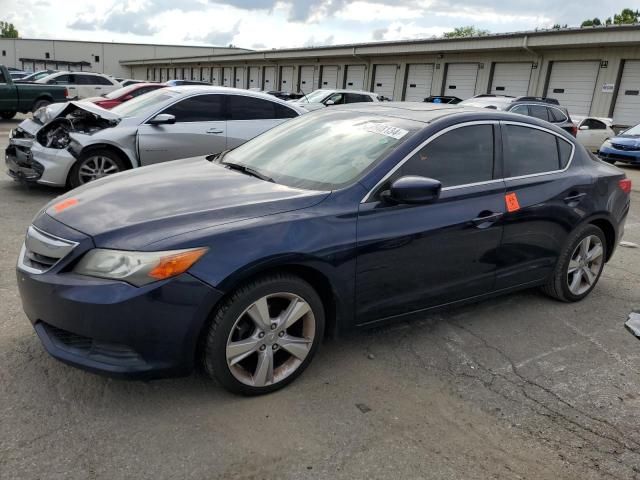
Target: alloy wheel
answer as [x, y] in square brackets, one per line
[270, 339]
[95, 167]
[585, 265]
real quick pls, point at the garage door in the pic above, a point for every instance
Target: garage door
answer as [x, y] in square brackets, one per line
[384, 80]
[573, 84]
[307, 79]
[269, 78]
[329, 76]
[216, 75]
[227, 76]
[239, 78]
[419, 78]
[627, 109]
[511, 79]
[286, 79]
[354, 79]
[461, 80]
[254, 77]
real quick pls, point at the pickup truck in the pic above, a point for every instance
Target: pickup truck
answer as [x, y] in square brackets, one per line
[26, 97]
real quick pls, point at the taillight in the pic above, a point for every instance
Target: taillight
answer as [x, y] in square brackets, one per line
[625, 185]
[574, 130]
[66, 93]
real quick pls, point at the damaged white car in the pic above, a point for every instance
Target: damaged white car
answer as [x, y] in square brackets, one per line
[73, 143]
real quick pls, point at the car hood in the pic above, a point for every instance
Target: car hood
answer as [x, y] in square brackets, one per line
[626, 140]
[57, 110]
[133, 209]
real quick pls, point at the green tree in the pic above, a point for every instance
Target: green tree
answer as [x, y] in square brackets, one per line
[557, 26]
[469, 31]
[595, 22]
[626, 16]
[7, 30]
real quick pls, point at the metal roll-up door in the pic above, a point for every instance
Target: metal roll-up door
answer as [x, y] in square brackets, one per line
[354, 77]
[227, 76]
[384, 80]
[216, 75]
[307, 79]
[573, 84]
[627, 108]
[238, 79]
[254, 77]
[511, 79]
[419, 80]
[329, 76]
[269, 78]
[286, 79]
[461, 80]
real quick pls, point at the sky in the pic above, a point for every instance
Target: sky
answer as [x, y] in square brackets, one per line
[266, 24]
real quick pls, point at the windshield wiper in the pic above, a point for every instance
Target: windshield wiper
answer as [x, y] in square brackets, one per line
[248, 171]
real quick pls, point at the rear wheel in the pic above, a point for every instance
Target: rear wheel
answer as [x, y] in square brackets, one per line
[7, 115]
[579, 266]
[39, 104]
[264, 335]
[94, 165]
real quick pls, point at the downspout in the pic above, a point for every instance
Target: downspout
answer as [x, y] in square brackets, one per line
[538, 58]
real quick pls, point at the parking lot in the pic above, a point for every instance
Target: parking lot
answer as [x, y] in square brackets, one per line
[517, 387]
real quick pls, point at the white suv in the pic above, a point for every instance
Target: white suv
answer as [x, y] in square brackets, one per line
[325, 98]
[82, 84]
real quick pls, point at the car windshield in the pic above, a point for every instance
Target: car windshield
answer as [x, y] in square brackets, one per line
[633, 130]
[322, 152]
[120, 92]
[143, 102]
[316, 96]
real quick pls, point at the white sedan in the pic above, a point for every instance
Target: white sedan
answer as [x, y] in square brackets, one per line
[325, 98]
[593, 131]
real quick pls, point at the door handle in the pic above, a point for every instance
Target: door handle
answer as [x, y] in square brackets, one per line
[98, 88]
[574, 199]
[486, 219]
[215, 130]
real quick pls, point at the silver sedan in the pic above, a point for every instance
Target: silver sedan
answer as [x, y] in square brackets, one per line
[76, 142]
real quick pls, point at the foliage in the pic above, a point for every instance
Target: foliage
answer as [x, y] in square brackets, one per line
[469, 31]
[8, 30]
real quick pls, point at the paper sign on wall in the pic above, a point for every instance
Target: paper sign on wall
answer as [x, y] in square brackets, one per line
[608, 87]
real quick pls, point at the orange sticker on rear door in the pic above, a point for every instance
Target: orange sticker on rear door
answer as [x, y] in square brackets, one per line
[511, 199]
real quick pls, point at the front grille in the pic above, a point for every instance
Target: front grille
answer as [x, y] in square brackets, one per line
[41, 251]
[625, 148]
[90, 348]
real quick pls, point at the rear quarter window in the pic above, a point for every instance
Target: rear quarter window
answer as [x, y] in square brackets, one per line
[529, 151]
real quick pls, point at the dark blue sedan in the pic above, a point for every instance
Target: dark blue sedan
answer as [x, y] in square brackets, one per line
[344, 218]
[624, 147]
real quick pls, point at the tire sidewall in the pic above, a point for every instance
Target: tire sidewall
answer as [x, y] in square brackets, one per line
[216, 343]
[74, 174]
[561, 275]
[40, 104]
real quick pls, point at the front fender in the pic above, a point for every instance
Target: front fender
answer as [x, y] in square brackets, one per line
[124, 142]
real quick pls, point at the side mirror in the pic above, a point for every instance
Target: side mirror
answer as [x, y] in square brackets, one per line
[583, 127]
[329, 103]
[162, 119]
[413, 190]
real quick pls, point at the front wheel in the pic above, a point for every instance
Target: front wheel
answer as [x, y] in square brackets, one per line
[7, 115]
[39, 104]
[94, 165]
[579, 265]
[264, 335]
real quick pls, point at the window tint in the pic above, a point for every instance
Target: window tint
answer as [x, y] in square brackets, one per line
[459, 157]
[85, 80]
[594, 124]
[98, 80]
[564, 149]
[62, 80]
[557, 116]
[357, 98]
[337, 98]
[521, 109]
[528, 150]
[201, 108]
[250, 108]
[140, 91]
[539, 111]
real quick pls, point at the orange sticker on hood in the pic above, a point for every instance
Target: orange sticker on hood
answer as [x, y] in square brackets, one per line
[64, 204]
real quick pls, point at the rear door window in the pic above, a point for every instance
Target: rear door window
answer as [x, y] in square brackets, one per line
[539, 111]
[459, 157]
[528, 151]
[200, 108]
[62, 80]
[357, 98]
[241, 107]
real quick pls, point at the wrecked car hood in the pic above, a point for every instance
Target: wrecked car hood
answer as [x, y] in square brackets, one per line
[57, 110]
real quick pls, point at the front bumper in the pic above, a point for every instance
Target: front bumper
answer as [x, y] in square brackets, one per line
[111, 327]
[612, 154]
[38, 164]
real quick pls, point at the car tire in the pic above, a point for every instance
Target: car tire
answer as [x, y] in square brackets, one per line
[39, 104]
[103, 162]
[7, 115]
[572, 263]
[249, 332]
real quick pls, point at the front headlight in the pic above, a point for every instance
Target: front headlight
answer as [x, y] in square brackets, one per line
[137, 268]
[606, 144]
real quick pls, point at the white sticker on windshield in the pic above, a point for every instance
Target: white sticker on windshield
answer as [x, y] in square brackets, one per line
[386, 130]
